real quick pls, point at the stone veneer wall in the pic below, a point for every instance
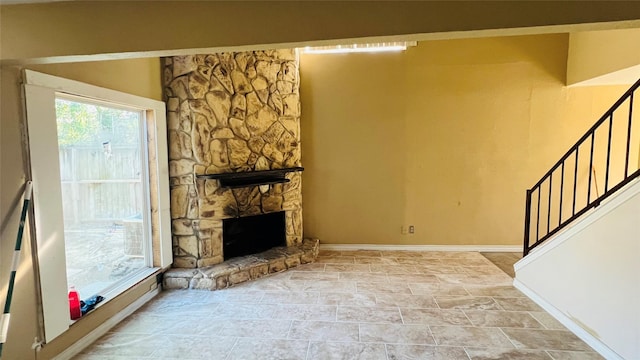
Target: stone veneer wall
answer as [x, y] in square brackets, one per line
[230, 112]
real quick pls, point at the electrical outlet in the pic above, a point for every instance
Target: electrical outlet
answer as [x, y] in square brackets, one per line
[412, 229]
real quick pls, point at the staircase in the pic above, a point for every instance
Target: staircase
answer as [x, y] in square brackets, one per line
[586, 212]
[601, 162]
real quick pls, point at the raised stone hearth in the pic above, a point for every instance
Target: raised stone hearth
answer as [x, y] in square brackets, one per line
[241, 269]
[228, 113]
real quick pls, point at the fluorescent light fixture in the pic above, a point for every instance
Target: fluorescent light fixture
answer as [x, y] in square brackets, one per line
[359, 48]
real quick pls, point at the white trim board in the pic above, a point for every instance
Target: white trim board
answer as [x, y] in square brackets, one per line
[582, 223]
[96, 333]
[99, 93]
[40, 91]
[600, 347]
[483, 248]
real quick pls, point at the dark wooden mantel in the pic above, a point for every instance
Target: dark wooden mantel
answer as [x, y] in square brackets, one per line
[252, 178]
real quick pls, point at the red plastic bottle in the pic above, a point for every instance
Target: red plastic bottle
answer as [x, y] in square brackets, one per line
[74, 304]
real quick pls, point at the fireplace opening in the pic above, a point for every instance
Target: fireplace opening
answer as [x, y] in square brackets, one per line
[252, 234]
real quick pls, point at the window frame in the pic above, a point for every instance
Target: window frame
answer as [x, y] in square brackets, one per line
[40, 91]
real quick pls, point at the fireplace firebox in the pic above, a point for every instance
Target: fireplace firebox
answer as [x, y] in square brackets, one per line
[252, 234]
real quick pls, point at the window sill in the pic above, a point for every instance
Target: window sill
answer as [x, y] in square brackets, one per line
[121, 287]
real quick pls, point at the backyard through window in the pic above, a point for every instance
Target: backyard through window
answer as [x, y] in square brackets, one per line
[104, 199]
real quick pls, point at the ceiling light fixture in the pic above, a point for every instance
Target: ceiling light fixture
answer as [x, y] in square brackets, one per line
[359, 48]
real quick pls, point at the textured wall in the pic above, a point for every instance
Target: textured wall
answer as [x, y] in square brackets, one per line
[445, 136]
[230, 112]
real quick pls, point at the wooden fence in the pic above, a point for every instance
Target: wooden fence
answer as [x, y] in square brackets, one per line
[100, 186]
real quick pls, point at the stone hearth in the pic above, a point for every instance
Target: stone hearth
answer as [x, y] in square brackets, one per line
[230, 112]
[244, 268]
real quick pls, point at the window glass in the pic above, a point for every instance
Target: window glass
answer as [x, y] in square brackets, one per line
[103, 195]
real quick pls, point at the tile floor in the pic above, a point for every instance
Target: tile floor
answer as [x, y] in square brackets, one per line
[504, 260]
[350, 305]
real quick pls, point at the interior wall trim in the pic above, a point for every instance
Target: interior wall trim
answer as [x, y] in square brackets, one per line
[483, 248]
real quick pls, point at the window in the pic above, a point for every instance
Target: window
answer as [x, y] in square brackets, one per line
[100, 172]
[105, 199]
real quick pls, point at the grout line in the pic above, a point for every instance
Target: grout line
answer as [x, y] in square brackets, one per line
[308, 349]
[436, 301]
[497, 303]
[375, 296]
[467, 316]
[411, 289]
[289, 331]
[464, 348]
[548, 353]
[538, 321]
[232, 348]
[435, 343]
[508, 338]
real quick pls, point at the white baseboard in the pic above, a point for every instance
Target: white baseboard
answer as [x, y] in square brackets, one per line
[483, 248]
[592, 341]
[94, 335]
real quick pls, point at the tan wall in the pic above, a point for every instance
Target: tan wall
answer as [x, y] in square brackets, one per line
[104, 27]
[354, 146]
[139, 77]
[594, 54]
[445, 136]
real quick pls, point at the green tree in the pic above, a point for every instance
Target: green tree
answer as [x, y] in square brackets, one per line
[89, 124]
[76, 122]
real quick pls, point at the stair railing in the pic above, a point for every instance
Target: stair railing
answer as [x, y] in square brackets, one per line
[619, 164]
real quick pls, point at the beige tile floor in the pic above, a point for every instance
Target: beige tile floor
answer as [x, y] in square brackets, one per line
[504, 260]
[351, 305]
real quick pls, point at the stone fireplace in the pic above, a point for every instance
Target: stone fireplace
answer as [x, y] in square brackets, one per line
[231, 113]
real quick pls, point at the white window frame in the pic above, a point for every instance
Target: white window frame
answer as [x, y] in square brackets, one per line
[40, 92]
